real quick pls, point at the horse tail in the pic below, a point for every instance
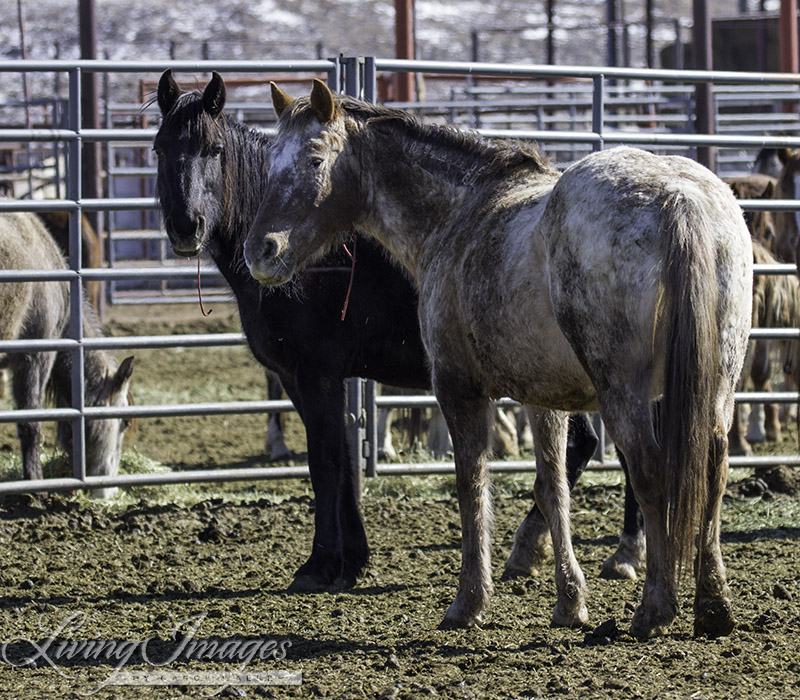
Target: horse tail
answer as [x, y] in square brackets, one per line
[687, 422]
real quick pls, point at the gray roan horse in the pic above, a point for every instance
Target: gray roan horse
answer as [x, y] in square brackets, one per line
[626, 279]
[41, 310]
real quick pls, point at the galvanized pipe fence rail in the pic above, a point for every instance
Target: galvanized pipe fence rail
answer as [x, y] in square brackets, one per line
[356, 76]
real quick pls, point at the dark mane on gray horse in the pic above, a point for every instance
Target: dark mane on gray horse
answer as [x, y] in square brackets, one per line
[498, 155]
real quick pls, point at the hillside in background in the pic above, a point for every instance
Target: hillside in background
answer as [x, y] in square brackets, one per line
[507, 30]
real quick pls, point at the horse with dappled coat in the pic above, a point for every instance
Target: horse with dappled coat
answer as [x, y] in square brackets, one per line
[212, 175]
[622, 282]
[30, 310]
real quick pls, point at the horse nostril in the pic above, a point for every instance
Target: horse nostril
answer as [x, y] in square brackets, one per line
[270, 249]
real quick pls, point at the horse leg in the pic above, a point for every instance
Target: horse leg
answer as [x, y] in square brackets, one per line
[505, 441]
[551, 490]
[275, 446]
[713, 613]
[524, 431]
[634, 435]
[737, 443]
[31, 373]
[339, 550]
[763, 419]
[532, 538]
[469, 420]
[439, 441]
[629, 559]
[788, 410]
[386, 450]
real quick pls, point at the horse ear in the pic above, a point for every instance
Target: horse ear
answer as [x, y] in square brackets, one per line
[784, 154]
[322, 101]
[280, 100]
[214, 95]
[769, 191]
[123, 376]
[168, 91]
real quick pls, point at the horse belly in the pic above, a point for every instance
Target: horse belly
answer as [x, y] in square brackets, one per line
[522, 352]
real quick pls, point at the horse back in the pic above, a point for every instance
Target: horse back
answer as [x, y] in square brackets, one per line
[57, 223]
[30, 309]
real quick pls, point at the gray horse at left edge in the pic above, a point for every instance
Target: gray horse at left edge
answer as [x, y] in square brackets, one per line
[37, 309]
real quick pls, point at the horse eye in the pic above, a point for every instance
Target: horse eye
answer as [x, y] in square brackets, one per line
[215, 151]
[159, 153]
[316, 162]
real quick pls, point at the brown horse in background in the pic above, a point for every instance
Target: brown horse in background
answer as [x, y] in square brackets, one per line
[57, 223]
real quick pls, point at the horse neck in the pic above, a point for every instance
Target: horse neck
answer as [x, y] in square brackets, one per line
[245, 182]
[97, 365]
[419, 181]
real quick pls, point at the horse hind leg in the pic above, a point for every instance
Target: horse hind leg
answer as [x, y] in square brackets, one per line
[712, 604]
[633, 433]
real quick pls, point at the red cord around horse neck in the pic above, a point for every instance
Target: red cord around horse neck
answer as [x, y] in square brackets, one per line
[200, 292]
[352, 273]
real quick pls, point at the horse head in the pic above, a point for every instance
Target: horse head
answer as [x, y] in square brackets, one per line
[788, 222]
[310, 199]
[190, 146]
[109, 386]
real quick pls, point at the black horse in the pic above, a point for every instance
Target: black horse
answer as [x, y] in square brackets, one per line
[211, 175]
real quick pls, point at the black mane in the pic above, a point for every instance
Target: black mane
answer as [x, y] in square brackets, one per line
[499, 155]
[245, 154]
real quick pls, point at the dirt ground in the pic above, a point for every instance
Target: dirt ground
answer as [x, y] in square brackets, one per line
[190, 581]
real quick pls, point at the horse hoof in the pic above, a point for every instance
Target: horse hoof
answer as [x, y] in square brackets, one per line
[343, 582]
[454, 622]
[645, 625]
[714, 619]
[308, 584]
[616, 570]
[510, 573]
[277, 454]
[566, 618]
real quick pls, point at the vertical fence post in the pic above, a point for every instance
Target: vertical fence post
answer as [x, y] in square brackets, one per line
[597, 110]
[75, 291]
[598, 106]
[370, 80]
[356, 423]
[369, 91]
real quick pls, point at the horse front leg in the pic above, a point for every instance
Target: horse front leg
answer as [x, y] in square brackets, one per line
[339, 550]
[551, 491]
[31, 373]
[531, 544]
[468, 419]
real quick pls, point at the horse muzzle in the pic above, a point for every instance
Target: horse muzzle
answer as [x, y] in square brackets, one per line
[185, 244]
[269, 259]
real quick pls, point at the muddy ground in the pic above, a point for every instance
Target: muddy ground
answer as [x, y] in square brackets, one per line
[192, 580]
